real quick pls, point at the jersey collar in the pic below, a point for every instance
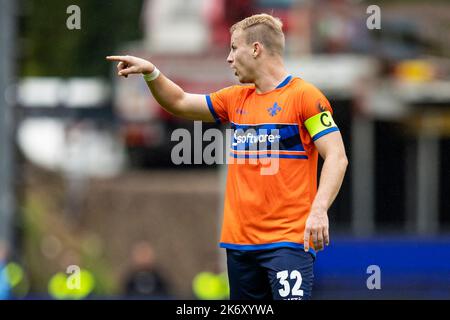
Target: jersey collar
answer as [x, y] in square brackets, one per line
[284, 82]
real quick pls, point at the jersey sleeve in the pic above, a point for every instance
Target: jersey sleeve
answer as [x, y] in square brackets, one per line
[316, 113]
[219, 103]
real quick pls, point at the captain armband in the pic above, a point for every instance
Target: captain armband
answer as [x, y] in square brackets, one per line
[320, 125]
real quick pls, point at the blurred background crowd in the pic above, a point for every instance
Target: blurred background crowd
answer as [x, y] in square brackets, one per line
[86, 177]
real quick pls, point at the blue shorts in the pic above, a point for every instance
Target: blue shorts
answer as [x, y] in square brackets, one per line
[274, 274]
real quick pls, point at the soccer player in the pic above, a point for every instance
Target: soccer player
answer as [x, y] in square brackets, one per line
[273, 223]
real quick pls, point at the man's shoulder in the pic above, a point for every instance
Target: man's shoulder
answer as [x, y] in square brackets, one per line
[240, 88]
[300, 85]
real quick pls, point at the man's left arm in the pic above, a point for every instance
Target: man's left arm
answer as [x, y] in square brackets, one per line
[331, 148]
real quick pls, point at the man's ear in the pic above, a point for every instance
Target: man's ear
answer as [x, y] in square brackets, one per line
[257, 47]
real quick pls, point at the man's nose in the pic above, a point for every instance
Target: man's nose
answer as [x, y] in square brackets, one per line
[229, 58]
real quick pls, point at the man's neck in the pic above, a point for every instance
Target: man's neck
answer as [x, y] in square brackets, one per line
[270, 78]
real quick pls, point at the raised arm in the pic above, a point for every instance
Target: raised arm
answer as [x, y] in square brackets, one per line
[168, 94]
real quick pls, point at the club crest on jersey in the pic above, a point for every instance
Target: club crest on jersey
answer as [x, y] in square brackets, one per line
[274, 109]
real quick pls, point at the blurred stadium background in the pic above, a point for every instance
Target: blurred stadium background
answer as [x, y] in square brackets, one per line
[86, 177]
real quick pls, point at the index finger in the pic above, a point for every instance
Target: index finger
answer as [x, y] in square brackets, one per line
[306, 239]
[118, 58]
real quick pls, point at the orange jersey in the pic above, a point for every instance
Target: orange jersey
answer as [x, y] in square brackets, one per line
[265, 211]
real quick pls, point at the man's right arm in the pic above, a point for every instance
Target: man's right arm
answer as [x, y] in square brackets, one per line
[168, 94]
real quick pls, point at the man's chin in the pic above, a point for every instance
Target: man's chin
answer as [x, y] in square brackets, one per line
[243, 80]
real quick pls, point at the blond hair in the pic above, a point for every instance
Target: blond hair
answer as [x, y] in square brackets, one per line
[265, 29]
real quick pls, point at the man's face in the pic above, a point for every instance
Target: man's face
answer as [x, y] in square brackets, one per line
[241, 58]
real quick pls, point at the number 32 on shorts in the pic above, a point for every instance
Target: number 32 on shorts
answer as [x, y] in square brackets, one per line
[286, 290]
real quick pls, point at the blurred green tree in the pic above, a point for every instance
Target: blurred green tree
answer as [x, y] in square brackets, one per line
[47, 47]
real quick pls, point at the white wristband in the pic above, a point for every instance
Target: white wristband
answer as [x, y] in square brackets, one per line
[152, 76]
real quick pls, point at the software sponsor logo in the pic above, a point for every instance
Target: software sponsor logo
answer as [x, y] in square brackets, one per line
[252, 137]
